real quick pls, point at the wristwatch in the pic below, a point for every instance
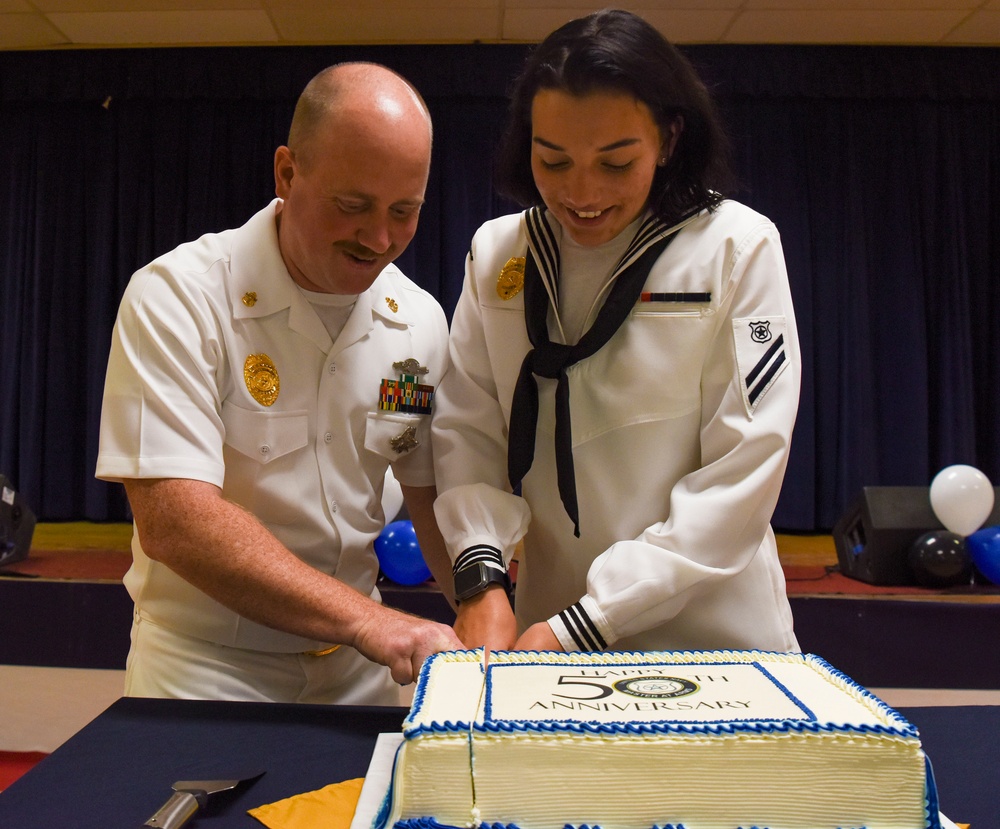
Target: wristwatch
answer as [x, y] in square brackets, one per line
[476, 577]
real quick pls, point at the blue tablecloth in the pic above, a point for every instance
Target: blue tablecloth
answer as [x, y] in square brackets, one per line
[118, 770]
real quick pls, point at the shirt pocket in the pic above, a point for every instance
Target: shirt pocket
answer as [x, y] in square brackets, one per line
[393, 436]
[650, 371]
[263, 455]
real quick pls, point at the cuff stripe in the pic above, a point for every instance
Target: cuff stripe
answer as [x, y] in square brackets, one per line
[572, 632]
[481, 552]
[582, 629]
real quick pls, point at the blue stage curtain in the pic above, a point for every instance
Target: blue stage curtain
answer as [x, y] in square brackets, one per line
[880, 166]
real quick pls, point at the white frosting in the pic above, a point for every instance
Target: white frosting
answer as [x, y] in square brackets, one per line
[710, 740]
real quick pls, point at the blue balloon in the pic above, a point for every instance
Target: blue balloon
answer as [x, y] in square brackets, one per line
[399, 554]
[984, 547]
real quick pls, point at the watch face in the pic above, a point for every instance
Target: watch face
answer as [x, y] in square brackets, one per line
[469, 581]
[474, 579]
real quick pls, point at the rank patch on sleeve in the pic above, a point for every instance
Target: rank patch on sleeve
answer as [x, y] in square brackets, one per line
[760, 356]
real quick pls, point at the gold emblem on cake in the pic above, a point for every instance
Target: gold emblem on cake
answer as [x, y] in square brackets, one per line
[511, 279]
[656, 687]
[261, 376]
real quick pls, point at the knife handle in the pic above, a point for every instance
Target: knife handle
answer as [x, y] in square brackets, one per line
[178, 810]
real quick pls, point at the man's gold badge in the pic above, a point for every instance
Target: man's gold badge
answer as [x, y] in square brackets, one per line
[261, 377]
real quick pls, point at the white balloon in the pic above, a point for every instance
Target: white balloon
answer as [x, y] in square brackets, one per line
[392, 497]
[962, 498]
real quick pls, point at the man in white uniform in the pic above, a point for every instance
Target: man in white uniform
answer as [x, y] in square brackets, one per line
[261, 383]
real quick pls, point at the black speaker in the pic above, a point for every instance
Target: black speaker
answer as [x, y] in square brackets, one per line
[874, 535]
[17, 525]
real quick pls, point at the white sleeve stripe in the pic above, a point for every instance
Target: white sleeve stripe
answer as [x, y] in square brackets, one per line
[582, 629]
[488, 555]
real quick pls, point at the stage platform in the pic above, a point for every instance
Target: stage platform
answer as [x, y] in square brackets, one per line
[65, 606]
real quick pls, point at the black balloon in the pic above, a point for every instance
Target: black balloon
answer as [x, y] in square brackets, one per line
[940, 559]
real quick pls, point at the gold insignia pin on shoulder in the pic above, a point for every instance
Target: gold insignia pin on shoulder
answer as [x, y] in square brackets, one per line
[511, 279]
[261, 377]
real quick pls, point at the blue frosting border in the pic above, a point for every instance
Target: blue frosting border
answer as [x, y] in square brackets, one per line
[431, 823]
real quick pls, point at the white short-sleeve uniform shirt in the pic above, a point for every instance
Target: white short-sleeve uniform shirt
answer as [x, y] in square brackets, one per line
[206, 336]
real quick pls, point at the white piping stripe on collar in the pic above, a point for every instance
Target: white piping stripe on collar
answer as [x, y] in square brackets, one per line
[545, 248]
[650, 232]
[544, 245]
[544, 240]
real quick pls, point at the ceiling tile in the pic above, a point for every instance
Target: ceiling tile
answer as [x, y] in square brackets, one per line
[28, 31]
[441, 9]
[637, 6]
[166, 27]
[679, 26]
[432, 8]
[417, 25]
[981, 28]
[26, 24]
[860, 27]
[98, 6]
[533, 24]
[874, 6]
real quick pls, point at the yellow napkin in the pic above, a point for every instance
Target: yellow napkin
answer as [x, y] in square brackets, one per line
[331, 807]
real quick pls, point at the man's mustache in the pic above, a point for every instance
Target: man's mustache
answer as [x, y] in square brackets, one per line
[358, 251]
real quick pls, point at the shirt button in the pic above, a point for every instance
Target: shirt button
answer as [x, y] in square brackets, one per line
[265, 449]
[334, 506]
[328, 437]
[332, 368]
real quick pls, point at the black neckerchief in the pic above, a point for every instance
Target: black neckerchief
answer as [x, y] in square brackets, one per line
[551, 360]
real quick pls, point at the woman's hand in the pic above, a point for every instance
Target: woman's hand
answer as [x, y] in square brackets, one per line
[539, 637]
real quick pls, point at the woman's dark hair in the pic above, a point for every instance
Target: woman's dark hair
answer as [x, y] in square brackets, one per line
[618, 51]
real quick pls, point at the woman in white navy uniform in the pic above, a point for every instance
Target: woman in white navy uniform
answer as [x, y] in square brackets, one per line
[625, 370]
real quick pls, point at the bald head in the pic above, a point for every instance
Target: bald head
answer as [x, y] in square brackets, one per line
[349, 96]
[352, 178]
